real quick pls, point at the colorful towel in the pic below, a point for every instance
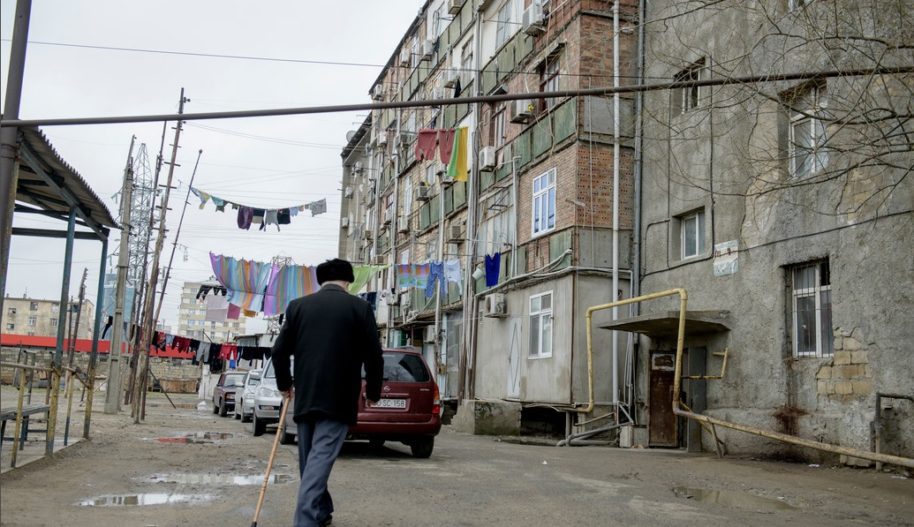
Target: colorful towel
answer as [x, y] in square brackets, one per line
[246, 281]
[363, 273]
[286, 284]
[457, 167]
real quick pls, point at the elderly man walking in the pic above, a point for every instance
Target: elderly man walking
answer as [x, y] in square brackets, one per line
[331, 334]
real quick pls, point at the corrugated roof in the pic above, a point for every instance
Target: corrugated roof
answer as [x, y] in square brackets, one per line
[34, 189]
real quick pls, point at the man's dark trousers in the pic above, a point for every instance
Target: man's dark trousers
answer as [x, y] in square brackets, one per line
[319, 443]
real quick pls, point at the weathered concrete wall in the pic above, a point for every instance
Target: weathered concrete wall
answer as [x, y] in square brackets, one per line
[488, 418]
[591, 290]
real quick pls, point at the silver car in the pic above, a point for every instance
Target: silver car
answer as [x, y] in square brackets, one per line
[267, 401]
[244, 405]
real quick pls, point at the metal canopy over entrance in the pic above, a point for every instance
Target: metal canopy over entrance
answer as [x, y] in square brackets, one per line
[665, 324]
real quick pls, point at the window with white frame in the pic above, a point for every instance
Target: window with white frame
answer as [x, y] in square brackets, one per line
[53, 322]
[431, 173]
[689, 97]
[503, 28]
[806, 133]
[33, 306]
[549, 79]
[33, 321]
[497, 125]
[544, 203]
[810, 286]
[692, 234]
[10, 326]
[466, 64]
[541, 325]
[408, 197]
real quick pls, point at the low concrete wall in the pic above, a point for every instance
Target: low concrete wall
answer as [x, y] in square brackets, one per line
[488, 418]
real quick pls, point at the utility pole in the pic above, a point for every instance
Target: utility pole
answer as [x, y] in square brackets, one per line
[74, 333]
[9, 137]
[113, 395]
[148, 327]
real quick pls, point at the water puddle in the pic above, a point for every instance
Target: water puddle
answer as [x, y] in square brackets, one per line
[196, 438]
[149, 498]
[215, 479]
[737, 500]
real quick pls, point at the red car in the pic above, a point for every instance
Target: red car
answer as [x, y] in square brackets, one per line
[409, 410]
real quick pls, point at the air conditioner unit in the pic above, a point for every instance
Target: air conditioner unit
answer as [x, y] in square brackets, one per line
[382, 139]
[451, 79]
[377, 93]
[412, 314]
[496, 306]
[483, 5]
[533, 22]
[428, 49]
[453, 6]
[392, 299]
[344, 223]
[423, 193]
[347, 192]
[522, 110]
[404, 57]
[487, 158]
[388, 216]
[455, 233]
[446, 179]
[403, 224]
[429, 335]
[357, 167]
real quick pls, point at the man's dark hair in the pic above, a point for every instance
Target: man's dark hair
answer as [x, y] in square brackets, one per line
[335, 269]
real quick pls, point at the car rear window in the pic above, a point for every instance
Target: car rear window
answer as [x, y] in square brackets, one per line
[404, 367]
[234, 380]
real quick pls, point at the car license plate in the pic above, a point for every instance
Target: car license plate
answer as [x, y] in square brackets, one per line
[389, 403]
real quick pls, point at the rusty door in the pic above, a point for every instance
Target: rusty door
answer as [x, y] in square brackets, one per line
[662, 430]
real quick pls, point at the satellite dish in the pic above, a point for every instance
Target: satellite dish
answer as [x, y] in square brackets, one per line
[349, 135]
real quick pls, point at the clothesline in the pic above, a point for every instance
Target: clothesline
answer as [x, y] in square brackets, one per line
[248, 215]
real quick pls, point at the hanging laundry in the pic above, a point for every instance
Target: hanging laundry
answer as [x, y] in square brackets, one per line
[216, 308]
[258, 216]
[204, 197]
[457, 167]
[493, 267]
[457, 88]
[203, 352]
[245, 217]
[219, 203]
[420, 274]
[317, 207]
[362, 274]
[232, 312]
[453, 273]
[287, 283]
[405, 277]
[245, 280]
[435, 276]
[283, 216]
[446, 144]
[248, 313]
[425, 144]
[293, 212]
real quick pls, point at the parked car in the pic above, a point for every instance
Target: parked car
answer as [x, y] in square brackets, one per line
[267, 401]
[409, 410]
[244, 404]
[224, 392]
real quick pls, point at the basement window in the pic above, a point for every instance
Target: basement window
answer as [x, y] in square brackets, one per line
[810, 286]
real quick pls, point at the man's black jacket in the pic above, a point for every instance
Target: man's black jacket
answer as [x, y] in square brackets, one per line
[331, 334]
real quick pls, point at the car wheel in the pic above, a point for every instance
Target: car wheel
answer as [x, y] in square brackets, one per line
[376, 443]
[215, 408]
[223, 410]
[285, 438]
[422, 447]
[259, 426]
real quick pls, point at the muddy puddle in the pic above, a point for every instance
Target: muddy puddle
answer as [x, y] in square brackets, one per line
[736, 500]
[215, 479]
[148, 498]
[196, 438]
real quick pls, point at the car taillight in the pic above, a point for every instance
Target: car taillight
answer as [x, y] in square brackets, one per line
[436, 403]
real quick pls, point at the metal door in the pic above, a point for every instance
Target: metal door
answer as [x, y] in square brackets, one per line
[662, 429]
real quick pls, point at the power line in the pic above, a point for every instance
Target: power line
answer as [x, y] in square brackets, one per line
[602, 91]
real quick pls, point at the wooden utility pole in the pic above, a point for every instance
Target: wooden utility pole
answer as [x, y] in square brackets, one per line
[74, 332]
[147, 328]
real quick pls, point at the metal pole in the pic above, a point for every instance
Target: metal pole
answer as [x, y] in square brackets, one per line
[57, 360]
[66, 427]
[9, 145]
[89, 385]
[615, 219]
[18, 419]
[148, 326]
[113, 395]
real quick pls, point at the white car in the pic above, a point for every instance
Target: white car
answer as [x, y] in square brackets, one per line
[244, 404]
[267, 401]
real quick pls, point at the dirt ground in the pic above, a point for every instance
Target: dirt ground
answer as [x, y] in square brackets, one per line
[190, 467]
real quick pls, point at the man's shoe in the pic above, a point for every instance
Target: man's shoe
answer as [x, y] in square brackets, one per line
[327, 521]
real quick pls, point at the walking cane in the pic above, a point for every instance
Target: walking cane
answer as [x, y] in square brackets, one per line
[266, 477]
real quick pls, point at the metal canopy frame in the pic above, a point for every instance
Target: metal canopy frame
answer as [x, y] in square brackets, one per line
[48, 186]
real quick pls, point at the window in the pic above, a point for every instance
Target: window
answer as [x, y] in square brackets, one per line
[53, 322]
[55, 307]
[544, 202]
[33, 306]
[431, 173]
[503, 29]
[810, 286]
[692, 234]
[466, 64]
[793, 5]
[11, 311]
[10, 326]
[497, 125]
[439, 23]
[549, 79]
[408, 197]
[689, 97]
[541, 325]
[33, 321]
[806, 133]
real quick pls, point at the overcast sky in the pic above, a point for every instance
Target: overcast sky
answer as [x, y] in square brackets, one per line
[288, 161]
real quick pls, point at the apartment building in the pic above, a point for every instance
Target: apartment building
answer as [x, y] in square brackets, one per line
[538, 197]
[40, 318]
[785, 210]
[204, 318]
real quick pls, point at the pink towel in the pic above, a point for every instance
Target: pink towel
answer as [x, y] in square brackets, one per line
[446, 144]
[425, 144]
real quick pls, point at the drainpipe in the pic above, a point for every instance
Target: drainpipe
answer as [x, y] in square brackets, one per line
[615, 226]
[635, 282]
[440, 256]
[514, 206]
[392, 246]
